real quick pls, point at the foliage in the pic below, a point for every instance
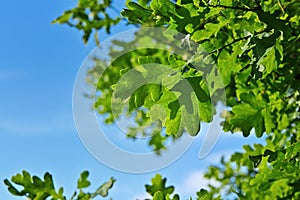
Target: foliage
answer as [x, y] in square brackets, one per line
[37, 189]
[159, 191]
[256, 46]
[89, 15]
[259, 41]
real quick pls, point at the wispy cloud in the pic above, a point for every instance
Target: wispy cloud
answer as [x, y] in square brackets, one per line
[60, 123]
[11, 74]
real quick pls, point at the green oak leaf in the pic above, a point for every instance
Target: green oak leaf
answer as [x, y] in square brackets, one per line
[246, 117]
[83, 181]
[103, 189]
[159, 184]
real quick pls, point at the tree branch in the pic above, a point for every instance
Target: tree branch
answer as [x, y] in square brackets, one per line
[234, 41]
[231, 7]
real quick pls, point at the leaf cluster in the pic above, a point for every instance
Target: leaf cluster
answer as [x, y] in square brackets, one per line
[37, 189]
[89, 15]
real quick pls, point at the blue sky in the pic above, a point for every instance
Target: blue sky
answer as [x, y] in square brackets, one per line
[38, 66]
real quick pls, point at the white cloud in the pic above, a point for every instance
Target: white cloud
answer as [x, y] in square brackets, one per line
[141, 196]
[215, 158]
[192, 183]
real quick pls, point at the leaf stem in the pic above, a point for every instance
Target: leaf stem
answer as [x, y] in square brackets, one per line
[280, 6]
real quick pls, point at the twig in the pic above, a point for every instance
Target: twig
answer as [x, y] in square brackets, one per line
[231, 7]
[258, 4]
[234, 41]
